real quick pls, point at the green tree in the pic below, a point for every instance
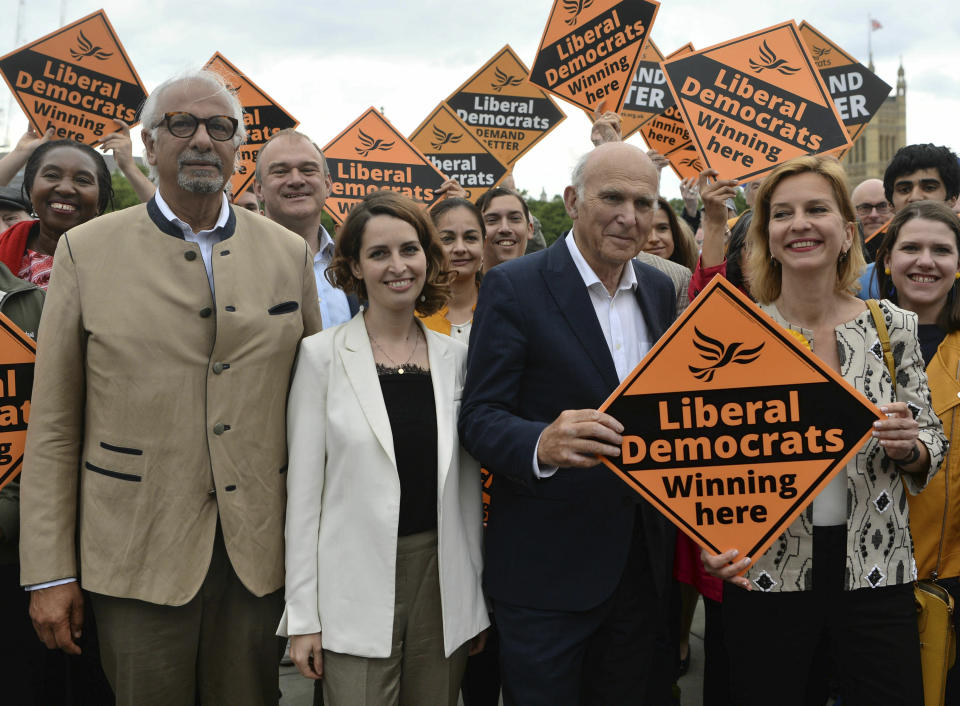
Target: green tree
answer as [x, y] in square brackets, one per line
[123, 194]
[553, 216]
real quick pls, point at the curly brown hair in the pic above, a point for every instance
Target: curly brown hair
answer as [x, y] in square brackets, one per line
[436, 288]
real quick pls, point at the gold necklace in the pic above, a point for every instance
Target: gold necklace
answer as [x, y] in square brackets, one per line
[399, 366]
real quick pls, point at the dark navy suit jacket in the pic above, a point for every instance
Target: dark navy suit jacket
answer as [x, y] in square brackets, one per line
[537, 349]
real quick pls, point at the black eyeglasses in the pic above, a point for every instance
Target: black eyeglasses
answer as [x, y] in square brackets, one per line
[181, 124]
[864, 209]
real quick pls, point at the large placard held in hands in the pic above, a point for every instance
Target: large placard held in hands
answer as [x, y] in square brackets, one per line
[505, 112]
[75, 80]
[371, 155]
[589, 50]
[857, 92]
[755, 102]
[17, 355]
[732, 426]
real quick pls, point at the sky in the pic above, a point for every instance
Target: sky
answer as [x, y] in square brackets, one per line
[327, 62]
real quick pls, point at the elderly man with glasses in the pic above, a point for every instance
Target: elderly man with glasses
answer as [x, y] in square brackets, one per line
[154, 473]
[873, 209]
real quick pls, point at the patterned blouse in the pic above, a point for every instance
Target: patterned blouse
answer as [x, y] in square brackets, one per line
[35, 268]
[879, 545]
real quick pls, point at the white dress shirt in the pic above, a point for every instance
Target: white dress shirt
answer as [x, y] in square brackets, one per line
[334, 307]
[620, 319]
[206, 239]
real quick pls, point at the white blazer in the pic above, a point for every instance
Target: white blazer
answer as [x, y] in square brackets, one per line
[343, 498]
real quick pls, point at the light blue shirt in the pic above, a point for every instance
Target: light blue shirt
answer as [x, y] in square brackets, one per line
[206, 239]
[334, 307]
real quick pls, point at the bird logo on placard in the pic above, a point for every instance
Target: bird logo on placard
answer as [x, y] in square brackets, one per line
[719, 355]
[769, 60]
[370, 144]
[444, 138]
[693, 162]
[820, 52]
[86, 49]
[503, 80]
[575, 7]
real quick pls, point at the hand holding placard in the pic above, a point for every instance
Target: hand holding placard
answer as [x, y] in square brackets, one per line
[577, 437]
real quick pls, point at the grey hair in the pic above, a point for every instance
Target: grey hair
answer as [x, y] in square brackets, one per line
[576, 176]
[577, 180]
[150, 115]
[288, 132]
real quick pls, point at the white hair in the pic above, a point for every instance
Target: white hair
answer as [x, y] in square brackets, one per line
[150, 114]
[576, 176]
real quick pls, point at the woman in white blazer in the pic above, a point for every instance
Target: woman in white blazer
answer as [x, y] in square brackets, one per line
[383, 527]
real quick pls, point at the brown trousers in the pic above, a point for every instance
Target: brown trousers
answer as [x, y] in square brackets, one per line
[219, 648]
[416, 673]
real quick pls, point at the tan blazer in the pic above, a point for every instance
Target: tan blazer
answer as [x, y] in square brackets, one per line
[678, 274]
[157, 410]
[344, 498]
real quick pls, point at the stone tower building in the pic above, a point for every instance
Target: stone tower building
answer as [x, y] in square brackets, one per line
[882, 137]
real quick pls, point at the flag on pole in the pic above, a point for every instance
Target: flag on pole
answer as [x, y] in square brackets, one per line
[874, 25]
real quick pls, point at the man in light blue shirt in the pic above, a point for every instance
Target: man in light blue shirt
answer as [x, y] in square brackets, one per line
[293, 182]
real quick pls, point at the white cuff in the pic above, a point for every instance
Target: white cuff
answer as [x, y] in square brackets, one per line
[48, 584]
[538, 470]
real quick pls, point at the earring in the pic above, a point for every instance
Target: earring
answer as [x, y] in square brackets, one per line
[843, 256]
[957, 276]
[423, 297]
[774, 262]
[886, 271]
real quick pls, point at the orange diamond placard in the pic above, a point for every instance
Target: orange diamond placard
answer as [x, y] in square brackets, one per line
[666, 132]
[371, 155]
[857, 92]
[506, 113]
[75, 80]
[732, 426]
[17, 354]
[590, 48]
[454, 150]
[755, 102]
[262, 116]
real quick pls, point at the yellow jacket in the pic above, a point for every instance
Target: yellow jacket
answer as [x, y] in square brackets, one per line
[935, 513]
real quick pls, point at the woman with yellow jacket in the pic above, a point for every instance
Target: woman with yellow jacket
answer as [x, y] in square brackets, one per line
[920, 258]
[461, 230]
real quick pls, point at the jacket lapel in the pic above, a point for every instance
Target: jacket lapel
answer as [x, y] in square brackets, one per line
[565, 284]
[357, 357]
[442, 375]
[650, 316]
[944, 375]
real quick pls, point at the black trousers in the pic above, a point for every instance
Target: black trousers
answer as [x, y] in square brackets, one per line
[776, 641]
[619, 653]
[32, 675]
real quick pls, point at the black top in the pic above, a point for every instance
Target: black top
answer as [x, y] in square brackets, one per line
[931, 336]
[408, 397]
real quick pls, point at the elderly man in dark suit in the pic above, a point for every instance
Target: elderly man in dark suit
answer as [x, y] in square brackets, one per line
[576, 565]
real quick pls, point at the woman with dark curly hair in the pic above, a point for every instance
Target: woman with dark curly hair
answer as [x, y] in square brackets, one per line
[67, 183]
[383, 512]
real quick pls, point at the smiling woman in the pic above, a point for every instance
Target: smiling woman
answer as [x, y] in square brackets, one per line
[67, 183]
[841, 573]
[921, 272]
[383, 514]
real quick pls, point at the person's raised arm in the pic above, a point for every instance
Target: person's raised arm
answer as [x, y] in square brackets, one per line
[13, 162]
[122, 147]
[714, 193]
[606, 128]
